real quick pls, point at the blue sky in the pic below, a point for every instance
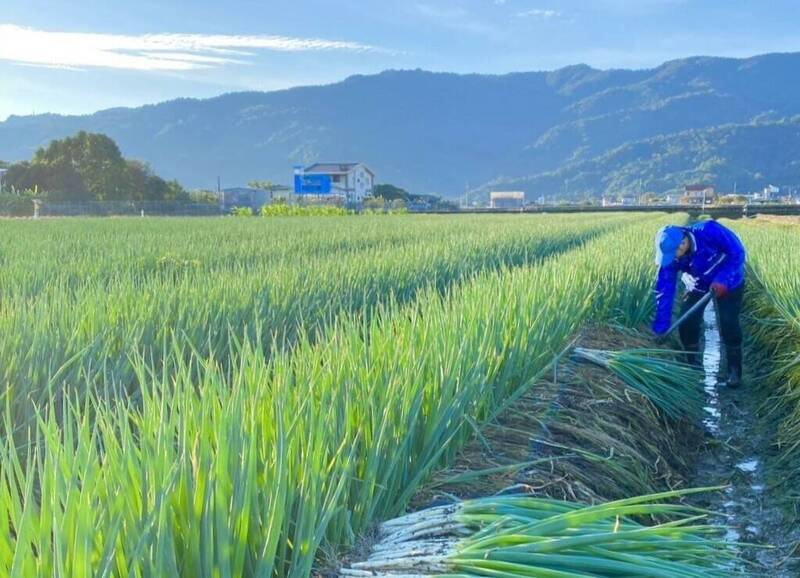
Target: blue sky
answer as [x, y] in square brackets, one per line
[79, 56]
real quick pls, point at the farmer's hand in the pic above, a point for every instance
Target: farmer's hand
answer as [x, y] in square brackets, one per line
[720, 290]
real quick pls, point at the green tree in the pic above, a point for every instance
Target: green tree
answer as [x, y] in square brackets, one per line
[96, 158]
[375, 204]
[399, 206]
[90, 166]
[143, 185]
[203, 196]
[651, 198]
[263, 185]
[391, 192]
[732, 200]
[56, 180]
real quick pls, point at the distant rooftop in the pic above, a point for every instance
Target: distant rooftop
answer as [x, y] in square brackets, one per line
[698, 187]
[334, 168]
[507, 195]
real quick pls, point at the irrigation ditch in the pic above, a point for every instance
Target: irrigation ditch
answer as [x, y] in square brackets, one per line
[582, 435]
[739, 454]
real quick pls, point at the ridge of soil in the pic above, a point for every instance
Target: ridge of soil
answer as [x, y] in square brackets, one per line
[597, 439]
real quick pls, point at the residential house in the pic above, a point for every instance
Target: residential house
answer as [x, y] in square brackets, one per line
[698, 193]
[351, 181]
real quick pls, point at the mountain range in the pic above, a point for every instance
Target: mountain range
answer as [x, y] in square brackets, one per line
[577, 132]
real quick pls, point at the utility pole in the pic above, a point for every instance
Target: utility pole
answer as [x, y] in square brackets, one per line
[703, 210]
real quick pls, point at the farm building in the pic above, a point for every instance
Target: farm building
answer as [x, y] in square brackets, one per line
[698, 193]
[352, 181]
[506, 199]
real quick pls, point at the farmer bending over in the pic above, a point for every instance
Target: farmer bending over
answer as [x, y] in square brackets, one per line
[711, 258]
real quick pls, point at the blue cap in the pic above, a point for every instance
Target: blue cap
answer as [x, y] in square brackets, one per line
[668, 239]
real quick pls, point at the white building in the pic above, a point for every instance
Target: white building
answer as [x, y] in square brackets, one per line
[698, 194]
[506, 199]
[771, 192]
[623, 201]
[353, 181]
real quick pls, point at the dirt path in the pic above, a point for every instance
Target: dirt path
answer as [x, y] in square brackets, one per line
[736, 454]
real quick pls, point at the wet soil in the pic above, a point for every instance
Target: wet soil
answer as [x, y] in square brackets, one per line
[738, 447]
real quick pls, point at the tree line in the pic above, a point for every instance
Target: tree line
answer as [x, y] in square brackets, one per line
[88, 167]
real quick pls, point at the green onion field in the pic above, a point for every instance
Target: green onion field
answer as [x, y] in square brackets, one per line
[234, 397]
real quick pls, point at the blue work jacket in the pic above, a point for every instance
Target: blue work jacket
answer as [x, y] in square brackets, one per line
[716, 255]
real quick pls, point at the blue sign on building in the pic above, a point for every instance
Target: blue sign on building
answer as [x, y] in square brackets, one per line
[312, 184]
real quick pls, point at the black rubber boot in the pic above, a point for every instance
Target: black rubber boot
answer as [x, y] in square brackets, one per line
[734, 355]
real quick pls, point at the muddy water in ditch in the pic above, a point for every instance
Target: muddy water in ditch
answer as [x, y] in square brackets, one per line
[735, 456]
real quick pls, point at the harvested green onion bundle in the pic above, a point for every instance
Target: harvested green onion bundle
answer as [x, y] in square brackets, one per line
[521, 536]
[672, 386]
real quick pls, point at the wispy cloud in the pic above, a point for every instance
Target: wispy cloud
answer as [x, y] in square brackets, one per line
[539, 14]
[453, 18]
[149, 52]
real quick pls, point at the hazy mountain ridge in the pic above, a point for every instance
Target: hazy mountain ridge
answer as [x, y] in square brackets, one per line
[737, 156]
[443, 132]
